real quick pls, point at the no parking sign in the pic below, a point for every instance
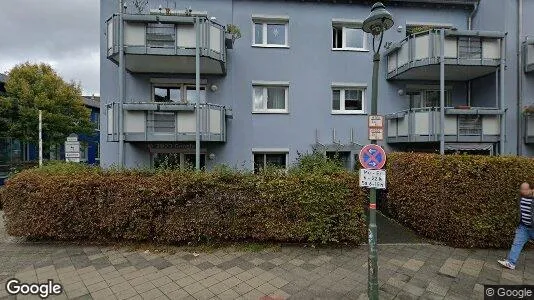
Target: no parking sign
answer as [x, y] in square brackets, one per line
[373, 158]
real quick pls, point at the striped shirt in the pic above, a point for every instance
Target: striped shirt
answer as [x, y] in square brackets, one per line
[526, 216]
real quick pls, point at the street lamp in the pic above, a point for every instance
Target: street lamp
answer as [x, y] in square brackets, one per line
[378, 21]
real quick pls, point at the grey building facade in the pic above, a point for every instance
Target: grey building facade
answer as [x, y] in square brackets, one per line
[299, 79]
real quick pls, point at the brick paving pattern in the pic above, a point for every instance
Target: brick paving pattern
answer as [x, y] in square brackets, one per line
[405, 272]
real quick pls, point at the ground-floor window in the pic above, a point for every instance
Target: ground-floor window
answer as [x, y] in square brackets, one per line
[262, 160]
[177, 160]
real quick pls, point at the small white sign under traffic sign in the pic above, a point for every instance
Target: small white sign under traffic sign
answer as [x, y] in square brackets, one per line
[376, 134]
[373, 178]
[376, 121]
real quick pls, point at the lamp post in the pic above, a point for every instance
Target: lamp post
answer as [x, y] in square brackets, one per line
[378, 21]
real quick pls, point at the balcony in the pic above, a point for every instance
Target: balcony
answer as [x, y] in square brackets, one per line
[168, 122]
[422, 125]
[529, 54]
[467, 55]
[167, 44]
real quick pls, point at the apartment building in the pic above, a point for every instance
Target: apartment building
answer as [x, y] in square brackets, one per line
[299, 79]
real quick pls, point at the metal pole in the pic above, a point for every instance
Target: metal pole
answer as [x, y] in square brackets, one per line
[122, 70]
[519, 78]
[197, 103]
[442, 93]
[501, 97]
[40, 138]
[373, 255]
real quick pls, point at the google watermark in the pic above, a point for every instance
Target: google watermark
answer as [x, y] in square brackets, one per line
[508, 291]
[43, 290]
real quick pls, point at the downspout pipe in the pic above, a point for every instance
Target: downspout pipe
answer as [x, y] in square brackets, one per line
[442, 93]
[501, 97]
[470, 27]
[519, 78]
[122, 71]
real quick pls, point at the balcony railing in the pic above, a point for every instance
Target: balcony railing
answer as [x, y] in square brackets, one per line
[529, 54]
[467, 54]
[167, 43]
[172, 122]
[461, 125]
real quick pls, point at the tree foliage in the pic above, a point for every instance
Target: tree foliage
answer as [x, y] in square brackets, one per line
[33, 87]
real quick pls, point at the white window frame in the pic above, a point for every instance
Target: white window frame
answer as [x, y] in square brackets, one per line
[265, 86]
[271, 20]
[349, 24]
[264, 151]
[342, 89]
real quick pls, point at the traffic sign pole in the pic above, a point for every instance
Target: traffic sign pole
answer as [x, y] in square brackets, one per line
[372, 289]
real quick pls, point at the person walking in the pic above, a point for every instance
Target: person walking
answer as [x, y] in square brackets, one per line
[524, 231]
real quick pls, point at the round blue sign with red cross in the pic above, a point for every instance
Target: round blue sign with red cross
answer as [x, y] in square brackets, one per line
[372, 157]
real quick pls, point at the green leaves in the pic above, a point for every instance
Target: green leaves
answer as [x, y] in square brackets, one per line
[74, 202]
[462, 200]
[34, 87]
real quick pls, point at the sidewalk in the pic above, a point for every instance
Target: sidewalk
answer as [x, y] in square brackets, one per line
[405, 272]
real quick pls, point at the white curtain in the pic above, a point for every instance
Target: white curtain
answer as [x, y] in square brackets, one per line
[258, 98]
[276, 98]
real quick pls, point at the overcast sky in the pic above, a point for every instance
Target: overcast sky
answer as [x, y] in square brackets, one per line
[62, 33]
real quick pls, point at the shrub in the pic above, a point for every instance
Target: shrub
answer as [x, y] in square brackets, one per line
[462, 200]
[73, 202]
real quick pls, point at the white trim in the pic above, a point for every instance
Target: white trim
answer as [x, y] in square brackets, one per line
[264, 23]
[342, 110]
[270, 150]
[270, 46]
[342, 85]
[267, 18]
[351, 49]
[264, 109]
[270, 83]
[344, 26]
[348, 112]
[342, 21]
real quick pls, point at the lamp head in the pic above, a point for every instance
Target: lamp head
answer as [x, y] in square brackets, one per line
[378, 21]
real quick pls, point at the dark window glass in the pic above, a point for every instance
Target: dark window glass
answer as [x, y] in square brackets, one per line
[190, 160]
[261, 160]
[337, 37]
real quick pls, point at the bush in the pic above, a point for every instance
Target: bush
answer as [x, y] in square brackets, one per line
[74, 202]
[462, 200]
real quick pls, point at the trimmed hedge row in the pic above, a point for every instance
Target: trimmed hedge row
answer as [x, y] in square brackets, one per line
[68, 202]
[464, 201]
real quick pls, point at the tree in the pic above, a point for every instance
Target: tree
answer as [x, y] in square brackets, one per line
[34, 87]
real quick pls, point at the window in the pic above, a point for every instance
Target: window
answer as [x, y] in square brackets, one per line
[178, 93]
[270, 99]
[160, 35]
[270, 34]
[345, 37]
[428, 98]
[97, 152]
[167, 94]
[276, 160]
[97, 120]
[177, 160]
[348, 101]
[84, 152]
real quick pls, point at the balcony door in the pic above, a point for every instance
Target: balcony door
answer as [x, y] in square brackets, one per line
[178, 93]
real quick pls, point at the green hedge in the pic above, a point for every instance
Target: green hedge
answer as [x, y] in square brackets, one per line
[464, 201]
[69, 202]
